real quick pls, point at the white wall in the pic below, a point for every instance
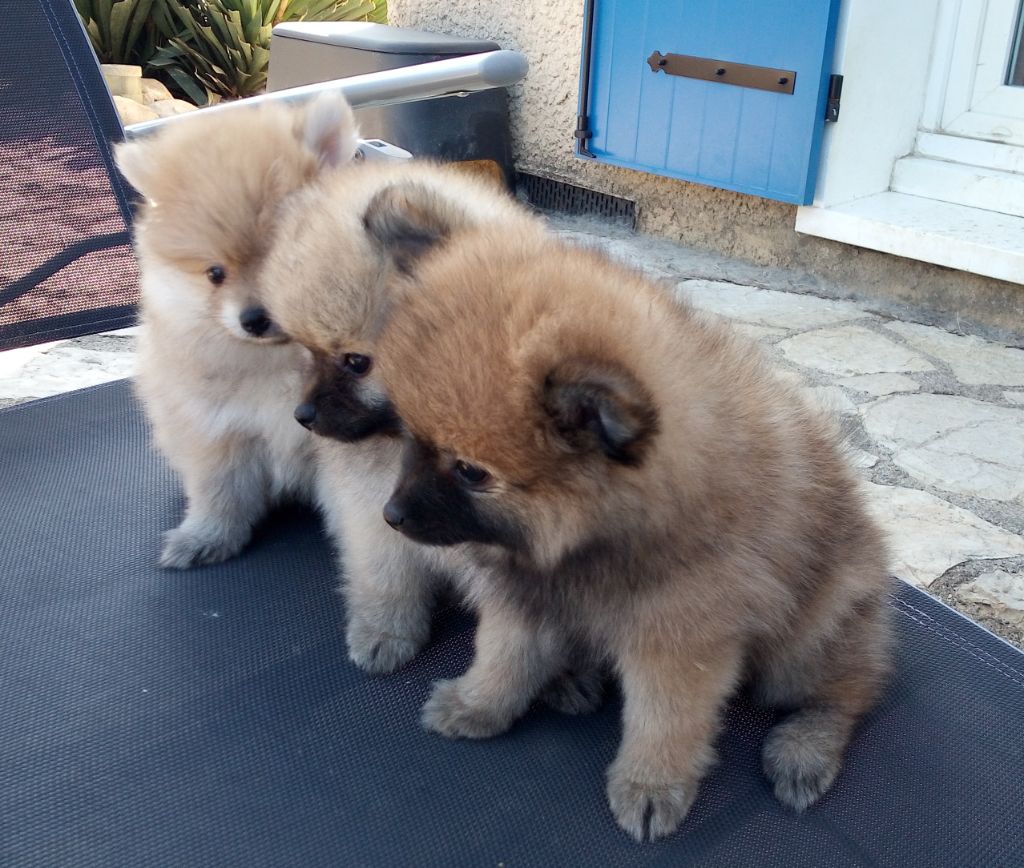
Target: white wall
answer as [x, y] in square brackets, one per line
[883, 50]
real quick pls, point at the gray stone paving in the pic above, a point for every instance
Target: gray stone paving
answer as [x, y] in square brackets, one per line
[935, 420]
[49, 369]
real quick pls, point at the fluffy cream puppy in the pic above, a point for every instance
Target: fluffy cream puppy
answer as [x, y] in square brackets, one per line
[216, 375]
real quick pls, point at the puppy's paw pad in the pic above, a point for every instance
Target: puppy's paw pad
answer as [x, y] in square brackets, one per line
[447, 713]
[800, 770]
[383, 653]
[645, 810]
[183, 549]
[380, 649]
[575, 692]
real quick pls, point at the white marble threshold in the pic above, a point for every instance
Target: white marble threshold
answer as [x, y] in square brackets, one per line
[956, 236]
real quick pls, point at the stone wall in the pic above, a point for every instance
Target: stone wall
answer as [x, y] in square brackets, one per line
[758, 230]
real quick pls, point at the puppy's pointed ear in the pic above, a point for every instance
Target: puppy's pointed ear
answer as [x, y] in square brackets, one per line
[328, 130]
[407, 220]
[135, 164]
[601, 408]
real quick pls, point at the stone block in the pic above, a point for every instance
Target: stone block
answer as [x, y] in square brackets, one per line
[123, 80]
[154, 91]
[132, 112]
[168, 107]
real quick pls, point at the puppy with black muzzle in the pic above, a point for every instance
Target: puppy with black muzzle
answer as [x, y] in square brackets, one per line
[217, 376]
[633, 478]
[327, 281]
[341, 246]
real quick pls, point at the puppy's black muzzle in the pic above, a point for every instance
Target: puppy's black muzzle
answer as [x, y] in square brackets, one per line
[336, 411]
[430, 507]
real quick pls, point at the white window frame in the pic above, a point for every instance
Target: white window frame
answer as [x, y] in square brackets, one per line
[975, 100]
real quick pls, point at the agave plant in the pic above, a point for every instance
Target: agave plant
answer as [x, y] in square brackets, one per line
[121, 31]
[221, 48]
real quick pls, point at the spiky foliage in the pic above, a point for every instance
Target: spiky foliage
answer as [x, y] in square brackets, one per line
[222, 47]
[121, 31]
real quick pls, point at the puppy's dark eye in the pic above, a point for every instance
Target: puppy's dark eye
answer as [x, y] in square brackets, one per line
[216, 274]
[470, 474]
[357, 365]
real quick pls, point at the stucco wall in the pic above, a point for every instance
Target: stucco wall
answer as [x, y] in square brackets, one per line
[761, 231]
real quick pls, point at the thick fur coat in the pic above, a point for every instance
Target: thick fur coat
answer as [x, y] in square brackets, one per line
[632, 482]
[327, 282]
[216, 375]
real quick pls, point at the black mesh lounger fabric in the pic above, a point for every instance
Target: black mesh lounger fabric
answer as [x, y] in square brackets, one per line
[66, 263]
[210, 717]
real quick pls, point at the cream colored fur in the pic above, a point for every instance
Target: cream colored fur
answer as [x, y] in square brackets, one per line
[220, 401]
[327, 282]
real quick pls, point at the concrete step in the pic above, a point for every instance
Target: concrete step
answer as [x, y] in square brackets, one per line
[978, 240]
[960, 184]
[972, 152]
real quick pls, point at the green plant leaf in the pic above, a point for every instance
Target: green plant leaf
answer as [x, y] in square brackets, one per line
[188, 84]
[102, 10]
[270, 8]
[120, 24]
[138, 22]
[122, 31]
[94, 38]
[224, 45]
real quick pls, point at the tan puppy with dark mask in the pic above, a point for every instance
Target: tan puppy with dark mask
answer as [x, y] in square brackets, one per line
[631, 478]
[327, 283]
[216, 374]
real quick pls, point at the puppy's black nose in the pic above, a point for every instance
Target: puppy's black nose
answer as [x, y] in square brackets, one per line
[393, 514]
[254, 320]
[305, 415]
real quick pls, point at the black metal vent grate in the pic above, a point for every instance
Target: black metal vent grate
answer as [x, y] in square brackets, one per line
[550, 195]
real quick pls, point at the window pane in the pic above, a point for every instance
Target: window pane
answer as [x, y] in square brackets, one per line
[1015, 75]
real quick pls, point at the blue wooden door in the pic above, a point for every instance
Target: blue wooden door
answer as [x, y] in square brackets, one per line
[734, 137]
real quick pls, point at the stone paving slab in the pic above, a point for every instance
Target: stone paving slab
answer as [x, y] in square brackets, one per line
[783, 311]
[63, 366]
[974, 361]
[928, 535]
[850, 350]
[880, 384]
[998, 591]
[953, 443]
[935, 421]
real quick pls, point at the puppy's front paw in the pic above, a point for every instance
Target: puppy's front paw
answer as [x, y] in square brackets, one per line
[647, 810]
[448, 713]
[575, 692]
[801, 763]
[184, 547]
[378, 652]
